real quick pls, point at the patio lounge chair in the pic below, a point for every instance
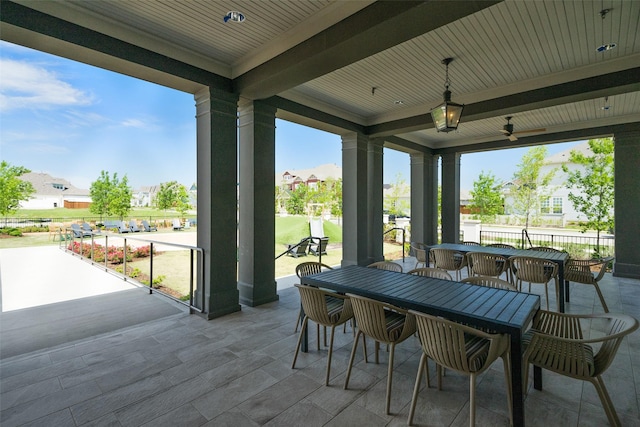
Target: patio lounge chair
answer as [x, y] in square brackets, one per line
[177, 225]
[147, 227]
[318, 246]
[122, 227]
[86, 227]
[133, 226]
[298, 249]
[79, 232]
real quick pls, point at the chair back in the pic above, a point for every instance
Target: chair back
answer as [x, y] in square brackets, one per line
[486, 264]
[448, 259]
[324, 307]
[471, 243]
[534, 270]
[456, 346]
[386, 265]
[491, 282]
[384, 323]
[311, 267]
[420, 253]
[436, 273]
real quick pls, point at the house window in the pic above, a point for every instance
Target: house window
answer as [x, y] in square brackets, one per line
[58, 186]
[551, 205]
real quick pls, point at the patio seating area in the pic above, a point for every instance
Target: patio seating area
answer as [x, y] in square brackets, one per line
[236, 370]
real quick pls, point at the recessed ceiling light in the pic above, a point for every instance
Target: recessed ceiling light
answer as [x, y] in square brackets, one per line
[399, 102]
[605, 47]
[234, 16]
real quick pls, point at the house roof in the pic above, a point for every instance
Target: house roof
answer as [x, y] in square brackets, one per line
[563, 156]
[322, 172]
[44, 183]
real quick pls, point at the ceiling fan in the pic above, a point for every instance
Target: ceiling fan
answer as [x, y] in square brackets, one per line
[507, 130]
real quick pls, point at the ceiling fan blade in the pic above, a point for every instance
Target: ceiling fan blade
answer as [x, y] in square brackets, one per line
[512, 138]
[531, 130]
[506, 132]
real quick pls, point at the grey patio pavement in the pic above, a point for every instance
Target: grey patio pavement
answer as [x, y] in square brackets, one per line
[177, 369]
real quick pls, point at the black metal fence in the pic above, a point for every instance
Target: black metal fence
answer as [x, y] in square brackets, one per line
[579, 247]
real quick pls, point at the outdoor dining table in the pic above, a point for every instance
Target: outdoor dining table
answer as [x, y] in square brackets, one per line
[498, 310]
[560, 258]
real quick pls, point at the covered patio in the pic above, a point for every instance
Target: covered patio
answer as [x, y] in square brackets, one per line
[370, 72]
[176, 369]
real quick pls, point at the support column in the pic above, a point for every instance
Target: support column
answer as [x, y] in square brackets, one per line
[451, 198]
[424, 198]
[627, 204]
[257, 284]
[355, 228]
[375, 183]
[216, 114]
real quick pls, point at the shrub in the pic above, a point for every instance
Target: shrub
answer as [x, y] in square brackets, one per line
[143, 251]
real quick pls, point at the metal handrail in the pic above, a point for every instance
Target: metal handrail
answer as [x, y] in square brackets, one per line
[525, 233]
[403, 239]
[194, 276]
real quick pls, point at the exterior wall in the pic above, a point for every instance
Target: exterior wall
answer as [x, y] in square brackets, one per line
[42, 202]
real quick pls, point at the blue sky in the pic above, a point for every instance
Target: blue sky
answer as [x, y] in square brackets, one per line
[72, 120]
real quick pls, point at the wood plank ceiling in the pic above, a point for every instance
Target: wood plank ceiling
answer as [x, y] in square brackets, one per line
[501, 50]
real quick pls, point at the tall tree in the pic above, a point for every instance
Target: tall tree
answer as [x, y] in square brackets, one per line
[595, 185]
[110, 196]
[486, 200]
[528, 183]
[13, 190]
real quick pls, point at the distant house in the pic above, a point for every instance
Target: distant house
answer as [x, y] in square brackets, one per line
[144, 196]
[291, 179]
[52, 192]
[556, 205]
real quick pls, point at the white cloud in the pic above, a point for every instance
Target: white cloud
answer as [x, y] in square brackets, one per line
[24, 85]
[134, 123]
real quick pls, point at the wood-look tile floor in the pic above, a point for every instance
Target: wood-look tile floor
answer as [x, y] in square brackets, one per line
[181, 370]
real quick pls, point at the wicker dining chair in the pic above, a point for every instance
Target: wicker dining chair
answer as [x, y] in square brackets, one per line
[534, 270]
[491, 282]
[386, 324]
[579, 271]
[436, 273]
[420, 252]
[556, 343]
[449, 260]
[544, 249]
[305, 269]
[470, 243]
[461, 348]
[486, 264]
[386, 265]
[325, 308]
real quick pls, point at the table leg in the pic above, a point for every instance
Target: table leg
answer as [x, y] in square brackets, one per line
[517, 394]
[563, 292]
[537, 377]
[304, 346]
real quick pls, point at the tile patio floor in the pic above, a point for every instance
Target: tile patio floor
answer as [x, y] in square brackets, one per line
[181, 370]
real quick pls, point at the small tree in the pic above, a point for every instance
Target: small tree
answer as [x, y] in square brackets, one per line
[120, 204]
[529, 185]
[13, 190]
[393, 202]
[110, 196]
[173, 196]
[486, 200]
[595, 185]
[298, 200]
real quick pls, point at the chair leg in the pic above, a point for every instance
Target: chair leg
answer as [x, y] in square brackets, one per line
[390, 378]
[298, 320]
[305, 321]
[472, 400]
[604, 304]
[416, 387]
[353, 355]
[333, 329]
[606, 401]
[546, 294]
